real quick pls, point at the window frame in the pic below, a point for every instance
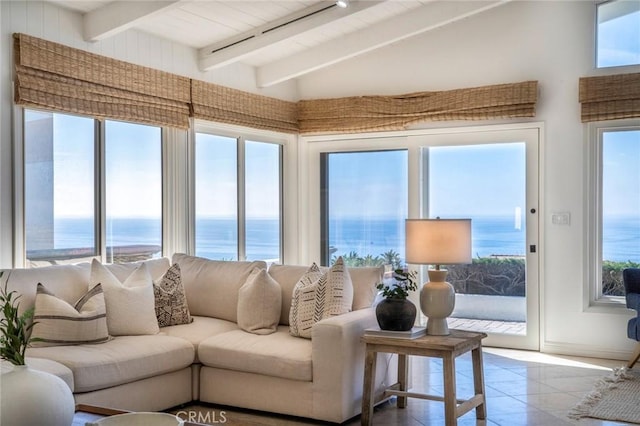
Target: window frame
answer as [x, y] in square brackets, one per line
[243, 135]
[594, 299]
[19, 246]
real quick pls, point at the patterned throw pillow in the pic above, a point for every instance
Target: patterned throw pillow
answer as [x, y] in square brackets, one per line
[171, 302]
[59, 323]
[259, 303]
[317, 296]
[130, 304]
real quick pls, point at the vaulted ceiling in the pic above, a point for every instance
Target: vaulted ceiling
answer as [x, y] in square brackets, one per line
[281, 39]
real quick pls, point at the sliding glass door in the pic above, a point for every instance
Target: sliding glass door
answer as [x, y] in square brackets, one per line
[360, 191]
[492, 179]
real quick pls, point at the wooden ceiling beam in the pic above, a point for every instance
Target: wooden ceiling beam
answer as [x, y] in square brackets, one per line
[417, 21]
[119, 16]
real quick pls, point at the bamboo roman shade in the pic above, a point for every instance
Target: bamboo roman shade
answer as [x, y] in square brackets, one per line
[375, 113]
[610, 97]
[222, 104]
[53, 76]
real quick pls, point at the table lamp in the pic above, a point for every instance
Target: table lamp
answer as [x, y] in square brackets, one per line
[438, 242]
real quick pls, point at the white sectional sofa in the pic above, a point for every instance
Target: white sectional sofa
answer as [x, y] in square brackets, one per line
[212, 359]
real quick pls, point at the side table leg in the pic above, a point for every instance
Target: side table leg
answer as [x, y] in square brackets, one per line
[478, 382]
[450, 402]
[368, 388]
[403, 375]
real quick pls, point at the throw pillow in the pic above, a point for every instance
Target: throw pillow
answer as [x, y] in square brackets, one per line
[317, 296]
[259, 301]
[131, 304]
[59, 323]
[170, 300]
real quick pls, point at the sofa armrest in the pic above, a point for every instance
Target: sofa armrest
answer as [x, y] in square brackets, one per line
[338, 364]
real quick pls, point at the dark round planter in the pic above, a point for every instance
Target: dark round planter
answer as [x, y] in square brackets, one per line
[396, 314]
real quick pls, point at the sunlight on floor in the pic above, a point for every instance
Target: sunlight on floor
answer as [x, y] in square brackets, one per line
[550, 359]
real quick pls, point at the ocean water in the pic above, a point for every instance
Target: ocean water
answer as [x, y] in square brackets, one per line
[217, 238]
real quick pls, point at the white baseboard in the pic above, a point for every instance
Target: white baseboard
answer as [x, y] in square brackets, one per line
[589, 351]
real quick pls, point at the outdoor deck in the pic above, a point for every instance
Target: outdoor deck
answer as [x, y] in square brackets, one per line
[488, 326]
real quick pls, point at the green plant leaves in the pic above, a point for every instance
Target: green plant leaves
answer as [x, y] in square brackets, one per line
[15, 329]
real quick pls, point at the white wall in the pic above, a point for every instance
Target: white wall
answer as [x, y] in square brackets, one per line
[551, 42]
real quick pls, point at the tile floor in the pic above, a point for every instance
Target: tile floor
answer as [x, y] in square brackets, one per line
[522, 388]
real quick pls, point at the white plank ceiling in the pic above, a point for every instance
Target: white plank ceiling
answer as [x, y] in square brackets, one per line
[281, 39]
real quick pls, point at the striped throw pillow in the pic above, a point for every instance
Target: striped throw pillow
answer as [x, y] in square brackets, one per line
[59, 323]
[318, 296]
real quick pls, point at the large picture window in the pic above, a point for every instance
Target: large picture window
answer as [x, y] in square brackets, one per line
[238, 200]
[133, 183]
[364, 205]
[67, 163]
[620, 205]
[59, 187]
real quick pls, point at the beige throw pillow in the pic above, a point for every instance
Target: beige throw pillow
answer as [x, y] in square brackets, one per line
[130, 304]
[170, 300]
[319, 295]
[259, 301]
[59, 323]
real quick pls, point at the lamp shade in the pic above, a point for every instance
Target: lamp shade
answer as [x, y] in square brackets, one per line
[438, 241]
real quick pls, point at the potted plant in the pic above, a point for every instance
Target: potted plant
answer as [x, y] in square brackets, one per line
[23, 385]
[15, 328]
[395, 312]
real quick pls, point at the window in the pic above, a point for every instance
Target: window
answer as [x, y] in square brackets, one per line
[364, 202]
[133, 182]
[620, 229]
[618, 33]
[59, 188]
[67, 217]
[237, 198]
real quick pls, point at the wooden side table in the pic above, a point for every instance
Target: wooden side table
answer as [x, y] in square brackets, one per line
[446, 347]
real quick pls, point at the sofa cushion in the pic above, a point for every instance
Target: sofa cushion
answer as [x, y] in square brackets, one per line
[170, 300]
[130, 304]
[121, 360]
[259, 301]
[318, 297]
[68, 282]
[278, 354]
[200, 329]
[57, 322]
[364, 280]
[156, 267]
[212, 286]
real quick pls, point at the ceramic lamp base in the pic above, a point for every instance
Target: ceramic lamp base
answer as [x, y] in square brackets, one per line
[437, 300]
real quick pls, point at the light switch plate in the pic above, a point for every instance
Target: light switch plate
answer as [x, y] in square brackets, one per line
[561, 218]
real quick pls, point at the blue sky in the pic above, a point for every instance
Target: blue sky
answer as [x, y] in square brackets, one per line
[619, 38]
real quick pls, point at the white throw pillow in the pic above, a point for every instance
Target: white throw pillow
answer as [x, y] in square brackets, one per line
[59, 323]
[259, 301]
[131, 304]
[317, 296]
